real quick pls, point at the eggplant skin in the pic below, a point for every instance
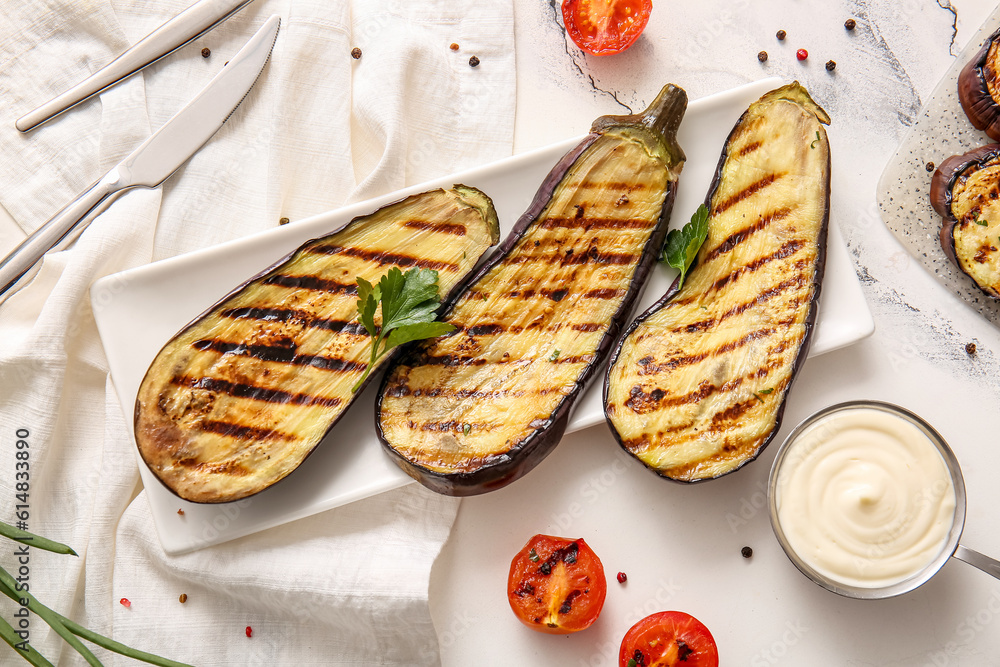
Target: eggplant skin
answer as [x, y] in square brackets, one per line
[965, 191]
[979, 90]
[241, 396]
[473, 411]
[697, 386]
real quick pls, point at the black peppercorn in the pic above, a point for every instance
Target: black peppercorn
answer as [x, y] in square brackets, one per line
[780, 35]
[473, 61]
[830, 65]
[454, 46]
[762, 56]
[929, 166]
[206, 52]
[747, 552]
[849, 24]
[283, 221]
[355, 53]
[970, 349]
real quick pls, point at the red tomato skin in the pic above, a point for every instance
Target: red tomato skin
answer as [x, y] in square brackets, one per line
[530, 592]
[605, 27]
[657, 635]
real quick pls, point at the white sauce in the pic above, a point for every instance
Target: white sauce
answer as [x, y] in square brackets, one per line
[865, 498]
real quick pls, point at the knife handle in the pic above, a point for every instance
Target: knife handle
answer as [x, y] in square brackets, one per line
[59, 230]
[187, 26]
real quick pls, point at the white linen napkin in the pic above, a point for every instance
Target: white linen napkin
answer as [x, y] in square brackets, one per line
[321, 128]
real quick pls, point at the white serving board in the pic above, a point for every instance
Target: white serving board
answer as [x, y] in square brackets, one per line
[141, 309]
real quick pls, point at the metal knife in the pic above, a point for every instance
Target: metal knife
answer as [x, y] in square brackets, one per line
[155, 160]
[184, 28]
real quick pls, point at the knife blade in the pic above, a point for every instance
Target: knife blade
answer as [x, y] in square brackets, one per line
[182, 29]
[154, 160]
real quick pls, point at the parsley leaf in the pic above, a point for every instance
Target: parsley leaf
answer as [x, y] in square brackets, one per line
[681, 246]
[409, 310]
[815, 141]
[981, 223]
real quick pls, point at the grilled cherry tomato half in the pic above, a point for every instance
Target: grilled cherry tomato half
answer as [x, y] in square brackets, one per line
[604, 27]
[666, 639]
[556, 585]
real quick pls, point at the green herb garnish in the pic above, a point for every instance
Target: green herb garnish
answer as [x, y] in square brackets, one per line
[533, 556]
[554, 355]
[409, 311]
[466, 429]
[681, 246]
[981, 223]
[815, 141]
[767, 391]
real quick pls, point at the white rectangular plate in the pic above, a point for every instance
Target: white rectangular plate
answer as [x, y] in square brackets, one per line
[141, 309]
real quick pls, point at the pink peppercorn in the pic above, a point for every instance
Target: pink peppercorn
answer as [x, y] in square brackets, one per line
[249, 631]
[125, 602]
[801, 54]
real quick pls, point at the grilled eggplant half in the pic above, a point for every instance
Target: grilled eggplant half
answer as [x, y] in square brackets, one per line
[475, 410]
[240, 397]
[697, 386]
[979, 88]
[965, 190]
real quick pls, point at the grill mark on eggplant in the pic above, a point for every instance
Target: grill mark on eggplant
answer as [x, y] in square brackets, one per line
[384, 257]
[299, 316]
[230, 468]
[281, 354]
[496, 329]
[441, 227]
[746, 192]
[254, 393]
[569, 257]
[677, 362]
[242, 432]
[604, 293]
[473, 360]
[786, 250]
[763, 297]
[738, 237]
[589, 224]
[311, 283]
[403, 389]
[750, 148]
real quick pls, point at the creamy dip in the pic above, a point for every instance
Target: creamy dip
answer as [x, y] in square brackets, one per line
[864, 497]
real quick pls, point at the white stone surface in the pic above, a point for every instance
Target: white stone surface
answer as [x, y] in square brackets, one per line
[680, 546]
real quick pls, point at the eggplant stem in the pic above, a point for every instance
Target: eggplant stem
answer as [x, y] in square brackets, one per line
[662, 118]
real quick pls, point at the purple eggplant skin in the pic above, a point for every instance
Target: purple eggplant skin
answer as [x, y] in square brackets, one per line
[500, 469]
[241, 396]
[793, 92]
[943, 185]
[978, 89]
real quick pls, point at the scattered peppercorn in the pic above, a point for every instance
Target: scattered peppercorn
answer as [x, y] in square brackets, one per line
[125, 602]
[180, 512]
[762, 56]
[831, 65]
[283, 221]
[801, 54]
[929, 166]
[970, 349]
[622, 578]
[249, 631]
[473, 61]
[746, 552]
[849, 24]
[206, 52]
[780, 35]
[183, 598]
[355, 53]
[454, 46]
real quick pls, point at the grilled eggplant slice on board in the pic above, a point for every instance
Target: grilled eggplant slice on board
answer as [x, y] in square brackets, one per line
[475, 410]
[697, 386]
[239, 398]
[965, 190]
[979, 88]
